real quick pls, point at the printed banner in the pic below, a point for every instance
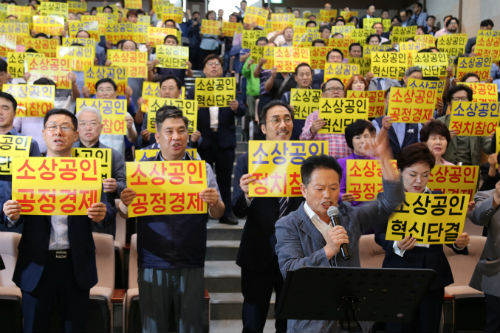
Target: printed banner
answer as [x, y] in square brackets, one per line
[256, 16]
[276, 166]
[453, 44]
[172, 56]
[318, 56]
[103, 154]
[408, 105]
[113, 113]
[389, 64]
[479, 65]
[402, 34]
[376, 101]
[96, 73]
[474, 119]
[341, 112]
[211, 27]
[432, 64]
[341, 71]
[16, 62]
[46, 185]
[32, 100]
[188, 107]
[218, 91]
[454, 179]
[134, 61]
[488, 46]
[430, 218]
[287, 58]
[483, 92]
[304, 102]
[12, 146]
[364, 179]
[167, 187]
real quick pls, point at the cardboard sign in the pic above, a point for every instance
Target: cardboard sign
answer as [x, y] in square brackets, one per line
[453, 44]
[341, 112]
[389, 64]
[134, 61]
[32, 100]
[454, 179]
[304, 102]
[474, 119]
[483, 92]
[479, 65]
[172, 56]
[407, 105]
[12, 146]
[113, 112]
[167, 187]
[341, 71]
[96, 73]
[276, 166]
[102, 154]
[376, 101]
[188, 107]
[287, 58]
[218, 91]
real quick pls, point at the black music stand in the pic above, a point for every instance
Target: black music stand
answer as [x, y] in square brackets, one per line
[353, 294]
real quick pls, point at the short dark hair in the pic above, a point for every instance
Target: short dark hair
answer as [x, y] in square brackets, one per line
[487, 23]
[45, 82]
[419, 5]
[415, 153]
[468, 75]
[355, 44]
[318, 162]
[311, 21]
[171, 36]
[103, 8]
[335, 50]
[271, 104]
[81, 30]
[210, 57]
[371, 36]
[323, 86]
[324, 27]
[41, 34]
[357, 128]
[104, 80]
[457, 88]
[434, 127]
[170, 20]
[261, 38]
[132, 12]
[65, 112]
[10, 98]
[318, 41]
[122, 42]
[3, 66]
[169, 112]
[451, 19]
[303, 64]
[168, 77]
[430, 16]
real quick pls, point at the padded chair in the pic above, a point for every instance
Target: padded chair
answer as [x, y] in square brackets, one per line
[132, 312]
[100, 319]
[10, 294]
[464, 307]
[120, 242]
[371, 255]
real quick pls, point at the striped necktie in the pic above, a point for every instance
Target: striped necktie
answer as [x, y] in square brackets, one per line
[283, 206]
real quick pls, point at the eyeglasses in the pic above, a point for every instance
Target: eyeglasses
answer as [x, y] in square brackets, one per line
[213, 63]
[92, 124]
[277, 120]
[334, 89]
[106, 89]
[63, 128]
[460, 99]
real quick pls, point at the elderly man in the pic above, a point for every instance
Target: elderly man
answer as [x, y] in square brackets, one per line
[171, 248]
[306, 237]
[56, 265]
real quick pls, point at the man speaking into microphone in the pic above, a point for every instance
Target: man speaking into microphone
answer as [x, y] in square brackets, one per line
[308, 238]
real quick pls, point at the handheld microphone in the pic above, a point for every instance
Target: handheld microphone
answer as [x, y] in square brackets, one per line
[333, 214]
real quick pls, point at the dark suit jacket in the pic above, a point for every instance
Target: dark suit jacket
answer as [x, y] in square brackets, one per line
[257, 241]
[34, 251]
[226, 136]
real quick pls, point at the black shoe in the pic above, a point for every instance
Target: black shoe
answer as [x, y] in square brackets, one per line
[227, 220]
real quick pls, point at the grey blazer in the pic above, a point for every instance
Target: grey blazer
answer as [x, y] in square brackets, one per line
[486, 276]
[300, 244]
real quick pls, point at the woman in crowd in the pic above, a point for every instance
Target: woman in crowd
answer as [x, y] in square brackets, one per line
[436, 136]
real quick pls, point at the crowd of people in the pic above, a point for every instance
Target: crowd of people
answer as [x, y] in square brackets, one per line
[56, 265]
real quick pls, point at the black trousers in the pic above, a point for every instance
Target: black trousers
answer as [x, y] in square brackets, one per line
[56, 291]
[257, 288]
[492, 313]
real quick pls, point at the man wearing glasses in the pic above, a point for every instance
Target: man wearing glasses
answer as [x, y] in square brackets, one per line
[333, 88]
[56, 265]
[218, 132]
[260, 272]
[464, 149]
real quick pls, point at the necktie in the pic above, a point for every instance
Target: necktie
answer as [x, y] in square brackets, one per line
[283, 206]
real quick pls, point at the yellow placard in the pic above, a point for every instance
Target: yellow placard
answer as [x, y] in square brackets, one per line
[19, 11]
[7, 44]
[411, 46]
[249, 37]
[401, 34]
[368, 50]
[430, 218]
[408, 105]
[16, 62]
[256, 16]
[82, 57]
[280, 21]
[287, 58]
[60, 77]
[368, 22]
[92, 27]
[256, 52]
[50, 25]
[103, 154]
[317, 56]
[453, 44]
[347, 14]
[488, 46]
[483, 92]
[32, 100]
[46, 185]
[327, 15]
[341, 71]
[53, 8]
[145, 154]
[473, 118]
[112, 111]
[157, 35]
[167, 187]
[115, 32]
[360, 35]
[341, 112]
[376, 101]
[134, 61]
[73, 40]
[427, 84]
[343, 29]
[479, 65]
[304, 102]
[172, 13]
[172, 56]
[450, 179]
[268, 54]
[341, 43]
[230, 28]
[133, 4]
[96, 73]
[219, 91]
[389, 64]
[363, 63]
[188, 107]
[364, 179]
[432, 64]
[77, 6]
[429, 40]
[497, 138]
[150, 89]
[12, 146]
[210, 27]
[305, 39]
[12, 28]
[276, 166]
[48, 47]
